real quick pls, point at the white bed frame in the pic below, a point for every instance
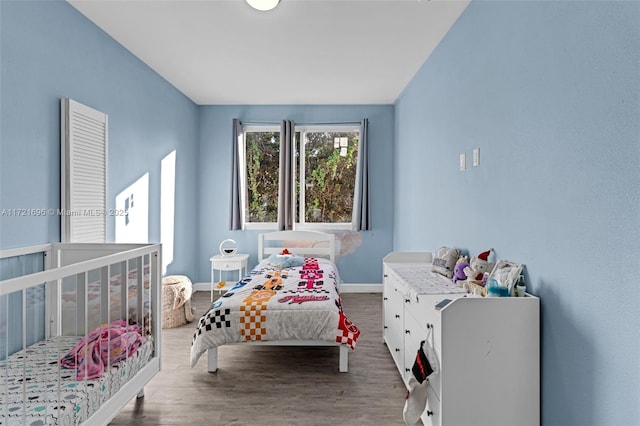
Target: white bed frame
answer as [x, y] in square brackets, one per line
[63, 260]
[322, 245]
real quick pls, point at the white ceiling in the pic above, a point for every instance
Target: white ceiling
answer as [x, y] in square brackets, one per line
[222, 52]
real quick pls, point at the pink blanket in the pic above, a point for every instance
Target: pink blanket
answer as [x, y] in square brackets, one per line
[103, 347]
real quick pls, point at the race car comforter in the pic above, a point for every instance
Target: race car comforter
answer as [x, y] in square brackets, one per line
[276, 303]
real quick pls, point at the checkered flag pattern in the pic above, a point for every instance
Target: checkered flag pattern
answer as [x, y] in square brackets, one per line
[253, 317]
[348, 333]
[215, 318]
[251, 323]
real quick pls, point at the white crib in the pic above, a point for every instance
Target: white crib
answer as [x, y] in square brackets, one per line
[50, 297]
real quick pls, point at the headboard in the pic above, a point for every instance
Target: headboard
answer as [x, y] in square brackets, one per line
[321, 244]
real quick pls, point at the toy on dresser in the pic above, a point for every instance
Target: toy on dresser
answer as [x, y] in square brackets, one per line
[475, 272]
[458, 270]
[504, 279]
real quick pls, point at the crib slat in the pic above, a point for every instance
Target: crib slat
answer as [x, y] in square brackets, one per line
[24, 360]
[105, 292]
[155, 284]
[140, 289]
[124, 290]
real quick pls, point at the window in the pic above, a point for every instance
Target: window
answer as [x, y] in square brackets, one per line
[327, 171]
[262, 166]
[325, 174]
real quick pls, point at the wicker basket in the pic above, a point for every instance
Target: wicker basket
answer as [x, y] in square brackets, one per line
[176, 301]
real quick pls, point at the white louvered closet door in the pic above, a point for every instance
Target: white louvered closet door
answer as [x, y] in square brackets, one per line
[84, 173]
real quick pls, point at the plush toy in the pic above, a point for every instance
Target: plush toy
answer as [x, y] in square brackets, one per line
[477, 267]
[445, 260]
[458, 269]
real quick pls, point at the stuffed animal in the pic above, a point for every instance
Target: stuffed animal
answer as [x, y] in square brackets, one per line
[458, 269]
[477, 267]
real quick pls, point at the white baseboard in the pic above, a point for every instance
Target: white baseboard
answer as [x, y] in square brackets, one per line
[201, 287]
[344, 288]
[360, 288]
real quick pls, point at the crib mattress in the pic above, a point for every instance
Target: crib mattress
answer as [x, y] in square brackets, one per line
[36, 392]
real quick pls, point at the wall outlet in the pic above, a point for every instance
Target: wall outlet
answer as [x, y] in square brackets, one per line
[476, 157]
[463, 162]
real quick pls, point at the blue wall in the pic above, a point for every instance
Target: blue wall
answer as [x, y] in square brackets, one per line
[49, 51]
[550, 93]
[214, 170]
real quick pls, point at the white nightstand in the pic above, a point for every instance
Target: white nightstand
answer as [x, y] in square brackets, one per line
[234, 262]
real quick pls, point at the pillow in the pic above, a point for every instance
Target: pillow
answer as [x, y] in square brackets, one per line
[445, 261]
[285, 260]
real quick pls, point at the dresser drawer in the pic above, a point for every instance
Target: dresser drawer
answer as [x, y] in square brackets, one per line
[424, 309]
[393, 323]
[231, 265]
[393, 338]
[425, 313]
[413, 335]
[393, 312]
[431, 415]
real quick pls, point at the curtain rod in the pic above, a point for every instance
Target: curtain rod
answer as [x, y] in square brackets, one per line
[299, 124]
[328, 124]
[260, 122]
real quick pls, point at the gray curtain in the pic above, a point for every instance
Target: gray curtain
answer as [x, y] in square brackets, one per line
[286, 193]
[361, 220]
[235, 212]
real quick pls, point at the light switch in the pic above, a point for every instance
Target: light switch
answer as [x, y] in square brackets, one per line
[463, 162]
[476, 157]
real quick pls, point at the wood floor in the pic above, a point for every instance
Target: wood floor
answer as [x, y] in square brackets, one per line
[274, 385]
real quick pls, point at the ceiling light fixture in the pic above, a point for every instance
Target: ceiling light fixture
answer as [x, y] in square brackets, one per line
[263, 5]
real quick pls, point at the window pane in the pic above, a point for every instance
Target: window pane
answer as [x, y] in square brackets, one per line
[330, 174]
[263, 162]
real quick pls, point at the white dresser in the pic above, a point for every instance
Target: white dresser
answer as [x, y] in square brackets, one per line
[488, 348]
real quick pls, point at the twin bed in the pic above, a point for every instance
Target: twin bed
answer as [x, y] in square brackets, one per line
[80, 332]
[289, 299]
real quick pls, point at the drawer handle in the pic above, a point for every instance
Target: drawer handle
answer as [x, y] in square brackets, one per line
[429, 413]
[397, 316]
[407, 300]
[429, 325]
[407, 370]
[385, 275]
[385, 327]
[407, 332]
[385, 298]
[397, 350]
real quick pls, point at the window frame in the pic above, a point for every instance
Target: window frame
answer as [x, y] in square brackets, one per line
[243, 181]
[299, 208]
[301, 223]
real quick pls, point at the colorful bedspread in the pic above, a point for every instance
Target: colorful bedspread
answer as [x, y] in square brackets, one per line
[272, 303]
